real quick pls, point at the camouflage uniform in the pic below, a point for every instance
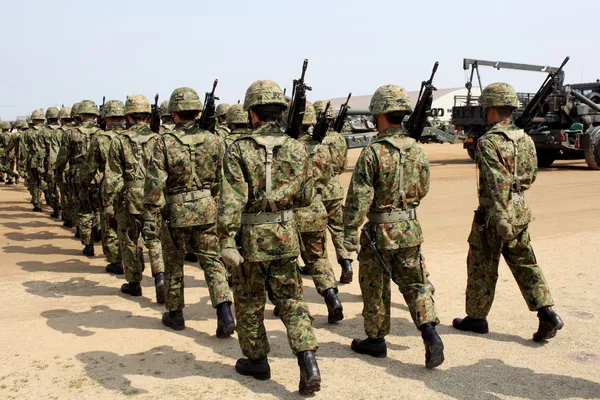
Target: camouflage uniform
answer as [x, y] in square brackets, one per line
[165, 115]
[66, 122]
[7, 160]
[65, 170]
[186, 166]
[12, 155]
[237, 121]
[32, 145]
[266, 176]
[221, 128]
[124, 187]
[51, 135]
[92, 176]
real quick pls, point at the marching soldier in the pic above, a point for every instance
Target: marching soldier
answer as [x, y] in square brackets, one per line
[237, 122]
[66, 122]
[33, 163]
[221, 120]
[51, 138]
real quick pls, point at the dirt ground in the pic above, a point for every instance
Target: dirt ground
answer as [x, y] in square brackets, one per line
[67, 332]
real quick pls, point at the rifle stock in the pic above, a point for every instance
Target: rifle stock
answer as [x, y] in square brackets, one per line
[297, 105]
[338, 124]
[207, 119]
[416, 121]
[322, 125]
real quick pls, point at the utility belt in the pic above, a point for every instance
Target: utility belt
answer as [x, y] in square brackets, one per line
[187, 196]
[267, 217]
[514, 196]
[393, 216]
[133, 184]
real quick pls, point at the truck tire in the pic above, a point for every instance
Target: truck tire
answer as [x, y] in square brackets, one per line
[471, 154]
[545, 158]
[592, 154]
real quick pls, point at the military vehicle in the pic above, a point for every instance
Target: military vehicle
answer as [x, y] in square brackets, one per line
[567, 127]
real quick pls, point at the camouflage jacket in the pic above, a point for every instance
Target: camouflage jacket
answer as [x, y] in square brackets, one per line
[75, 144]
[51, 137]
[125, 174]
[97, 156]
[314, 217]
[243, 190]
[4, 141]
[339, 161]
[32, 145]
[185, 159]
[498, 182]
[222, 131]
[164, 128]
[12, 145]
[236, 134]
[375, 187]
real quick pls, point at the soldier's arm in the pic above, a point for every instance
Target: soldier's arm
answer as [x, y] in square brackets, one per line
[496, 177]
[156, 177]
[219, 154]
[89, 167]
[343, 149]
[532, 166]
[424, 174]
[113, 176]
[63, 154]
[361, 192]
[233, 197]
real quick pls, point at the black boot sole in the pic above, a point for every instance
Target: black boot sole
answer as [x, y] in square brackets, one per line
[224, 332]
[434, 354]
[377, 354]
[167, 322]
[480, 330]
[129, 292]
[260, 377]
[537, 337]
[310, 386]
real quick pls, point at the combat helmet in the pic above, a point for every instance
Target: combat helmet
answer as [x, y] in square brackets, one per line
[4, 125]
[264, 92]
[113, 108]
[87, 107]
[222, 109]
[499, 94]
[64, 113]
[237, 115]
[20, 124]
[184, 99]
[389, 98]
[37, 114]
[164, 108]
[320, 106]
[52, 113]
[309, 117]
[74, 110]
[137, 104]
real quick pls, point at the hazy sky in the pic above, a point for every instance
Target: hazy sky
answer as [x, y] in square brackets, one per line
[62, 51]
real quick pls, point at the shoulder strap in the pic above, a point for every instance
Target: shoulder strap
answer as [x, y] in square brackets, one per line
[191, 141]
[269, 142]
[401, 144]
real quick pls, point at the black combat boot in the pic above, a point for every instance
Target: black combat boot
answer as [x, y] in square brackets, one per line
[258, 369]
[431, 287]
[68, 223]
[88, 250]
[434, 348]
[37, 209]
[191, 257]
[96, 234]
[55, 213]
[371, 347]
[9, 181]
[159, 286]
[477, 325]
[347, 273]
[550, 324]
[310, 376]
[303, 270]
[77, 233]
[115, 268]
[132, 289]
[225, 321]
[1, 179]
[335, 311]
[46, 197]
[174, 320]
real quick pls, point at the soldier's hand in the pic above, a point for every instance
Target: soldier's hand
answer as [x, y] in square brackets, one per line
[150, 230]
[504, 229]
[109, 212]
[352, 243]
[232, 257]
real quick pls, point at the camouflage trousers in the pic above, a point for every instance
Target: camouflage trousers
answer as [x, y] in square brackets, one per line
[89, 205]
[249, 290]
[409, 274]
[335, 223]
[485, 249]
[110, 239]
[8, 166]
[203, 241]
[35, 186]
[314, 255]
[129, 231]
[53, 193]
[74, 203]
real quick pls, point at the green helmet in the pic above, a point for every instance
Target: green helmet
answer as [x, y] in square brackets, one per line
[320, 106]
[389, 98]
[309, 117]
[38, 114]
[499, 94]
[164, 108]
[137, 104]
[75, 110]
[113, 108]
[5, 125]
[52, 113]
[20, 124]
[222, 109]
[184, 99]
[237, 115]
[264, 92]
[87, 107]
[64, 113]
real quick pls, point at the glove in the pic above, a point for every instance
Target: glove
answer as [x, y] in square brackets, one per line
[504, 229]
[109, 212]
[352, 243]
[232, 257]
[150, 230]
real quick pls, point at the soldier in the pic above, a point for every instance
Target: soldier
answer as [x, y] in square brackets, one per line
[389, 200]
[186, 165]
[165, 117]
[6, 161]
[311, 221]
[66, 122]
[237, 122]
[266, 176]
[123, 187]
[33, 164]
[507, 164]
[12, 150]
[92, 179]
[221, 124]
[333, 193]
[51, 136]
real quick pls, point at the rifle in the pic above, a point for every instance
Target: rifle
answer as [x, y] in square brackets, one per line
[297, 105]
[417, 119]
[338, 124]
[155, 116]
[207, 119]
[375, 250]
[101, 121]
[540, 97]
[322, 126]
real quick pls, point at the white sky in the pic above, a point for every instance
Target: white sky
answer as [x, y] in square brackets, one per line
[63, 51]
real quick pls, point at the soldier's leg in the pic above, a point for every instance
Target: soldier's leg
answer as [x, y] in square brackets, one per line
[129, 233]
[65, 204]
[375, 289]
[314, 254]
[174, 241]
[205, 244]
[155, 254]
[110, 240]
[335, 223]
[521, 260]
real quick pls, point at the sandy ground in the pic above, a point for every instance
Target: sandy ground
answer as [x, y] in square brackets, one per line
[67, 332]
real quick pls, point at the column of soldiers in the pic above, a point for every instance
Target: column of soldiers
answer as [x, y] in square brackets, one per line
[247, 200]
